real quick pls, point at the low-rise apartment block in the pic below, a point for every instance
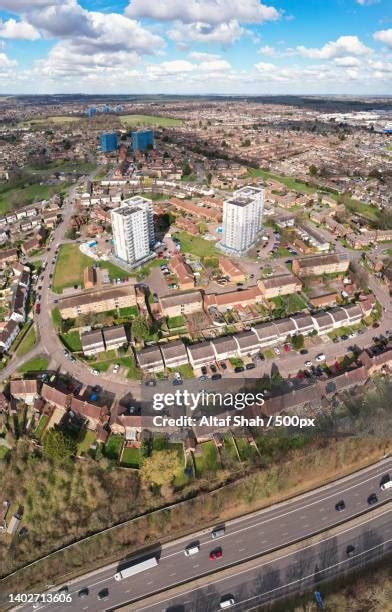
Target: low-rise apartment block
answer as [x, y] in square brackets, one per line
[283, 284]
[97, 301]
[181, 303]
[320, 264]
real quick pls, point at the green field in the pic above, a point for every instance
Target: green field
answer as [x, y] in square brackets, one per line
[288, 181]
[196, 246]
[113, 446]
[149, 120]
[47, 120]
[88, 438]
[71, 263]
[37, 364]
[70, 166]
[14, 197]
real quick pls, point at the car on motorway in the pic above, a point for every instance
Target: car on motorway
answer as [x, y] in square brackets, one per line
[250, 366]
[217, 553]
[226, 602]
[63, 589]
[83, 592]
[308, 364]
[386, 484]
[218, 532]
[103, 594]
[350, 550]
[340, 506]
[372, 499]
[320, 357]
[191, 550]
[116, 368]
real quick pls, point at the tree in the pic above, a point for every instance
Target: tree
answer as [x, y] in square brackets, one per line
[313, 170]
[161, 468]
[140, 328]
[58, 445]
[297, 342]
[186, 169]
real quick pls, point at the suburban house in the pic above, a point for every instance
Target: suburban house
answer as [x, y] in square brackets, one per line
[231, 299]
[286, 327]
[354, 313]
[129, 426]
[231, 270]
[150, 359]
[183, 272]
[267, 333]
[24, 390]
[92, 342]
[224, 347]
[201, 354]
[180, 304]
[174, 353]
[303, 322]
[323, 322]
[339, 316]
[94, 415]
[247, 342]
[283, 284]
[55, 397]
[114, 337]
[8, 333]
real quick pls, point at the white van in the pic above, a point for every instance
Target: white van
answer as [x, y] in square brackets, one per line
[227, 603]
[191, 550]
[386, 485]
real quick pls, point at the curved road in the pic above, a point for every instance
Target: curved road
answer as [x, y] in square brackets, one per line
[245, 538]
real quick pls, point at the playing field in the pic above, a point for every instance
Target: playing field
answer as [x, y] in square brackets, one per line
[150, 120]
[46, 120]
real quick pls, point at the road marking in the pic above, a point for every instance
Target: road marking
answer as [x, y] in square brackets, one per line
[195, 566]
[173, 574]
[279, 559]
[241, 549]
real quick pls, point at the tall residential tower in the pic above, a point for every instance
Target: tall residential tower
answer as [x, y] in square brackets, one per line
[242, 220]
[133, 230]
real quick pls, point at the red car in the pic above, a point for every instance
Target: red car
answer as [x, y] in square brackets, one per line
[216, 554]
[38, 308]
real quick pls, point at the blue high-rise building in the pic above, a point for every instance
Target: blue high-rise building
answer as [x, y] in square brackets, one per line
[91, 111]
[142, 140]
[108, 141]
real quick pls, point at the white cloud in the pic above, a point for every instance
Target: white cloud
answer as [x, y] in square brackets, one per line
[344, 45]
[224, 33]
[201, 57]
[367, 2]
[347, 62]
[206, 11]
[6, 62]
[267, 50]
[18, 6]
[384, 36]
[18, 30]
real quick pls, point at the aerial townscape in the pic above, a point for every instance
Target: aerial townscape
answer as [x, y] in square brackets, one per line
[195, 306]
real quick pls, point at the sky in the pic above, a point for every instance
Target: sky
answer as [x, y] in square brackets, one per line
[196, 46]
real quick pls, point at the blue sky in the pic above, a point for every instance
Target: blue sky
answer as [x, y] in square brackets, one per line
[196, 46]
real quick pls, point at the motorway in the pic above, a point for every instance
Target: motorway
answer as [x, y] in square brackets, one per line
[245, 538]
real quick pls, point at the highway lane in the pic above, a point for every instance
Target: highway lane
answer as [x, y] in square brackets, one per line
[245, 537]
[286, 572]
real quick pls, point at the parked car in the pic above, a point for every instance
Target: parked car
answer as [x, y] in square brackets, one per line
[213, 368]
[250, 366]
[216, 376]
[303, 352]
[238, 369]
[223, 365]
[276, 350]
[150, 383]
[103, 594]
[116, 368]
[203, 370]
[203, 377]
[308, 364]
[320, 357]
[83, 592]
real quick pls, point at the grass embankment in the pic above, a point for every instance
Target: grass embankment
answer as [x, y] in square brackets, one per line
[28, 342]
[37, 364]
[301, 471]
[149, 120]
[14, 197]
[58, 119]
